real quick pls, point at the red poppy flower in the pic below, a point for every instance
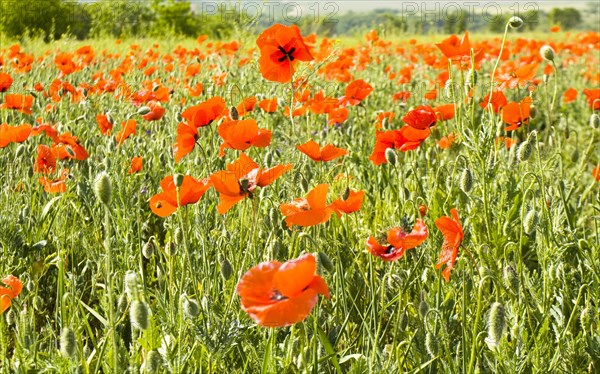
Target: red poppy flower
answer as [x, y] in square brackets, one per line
[520, 76]
[128, 129]
[444, 112]
[136, 165]
[309, 211]
[452, 231]
[5, 82]
[570, 95]
[420, 118]
[446, 141]
[328, 153]
[45, 162]
[186, 140]
[337, 116]
[280, 47]
[596, 173]
[7, 294]
[241, 178]
[156, 111]
[516, 114]
[268, 105]
[351, 204]
[196, 90]
[247, 105]
[165, 203]
[243, 134]
[22, 103]
[13, 134]
[498, 101]
[67, 140]
[205, 113]
[593, 98]
[459, 50]
[356, 92]
[278, 295]
[104, 124]
[58, 185]
[399, 242]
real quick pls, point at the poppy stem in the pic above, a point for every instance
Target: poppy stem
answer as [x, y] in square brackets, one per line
[496, 67]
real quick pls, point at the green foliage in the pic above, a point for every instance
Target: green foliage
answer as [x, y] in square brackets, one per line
[567, 18]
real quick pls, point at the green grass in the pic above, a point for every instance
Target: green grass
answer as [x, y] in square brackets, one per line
[71, 252]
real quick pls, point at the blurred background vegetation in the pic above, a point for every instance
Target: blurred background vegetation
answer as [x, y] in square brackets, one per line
[55, 19]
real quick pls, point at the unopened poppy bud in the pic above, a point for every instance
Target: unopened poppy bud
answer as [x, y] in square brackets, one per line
[403, 321]
[122, 303]
[466, 180]
[103, 188]
[131, 284]
[587, 318]
[515, 22]
[547, 53]
[178, 180]
[148, 249]
[304, 184]
[423, 308]
[325, 262]
[530, 222]
[155, 88]
[244, 183]
[346, 194]
[273, 216]
[226, 269]
[448, 88]
[178, 236]
[575, 155]
[511, 280]
[432, 344]
[153, 362]
[234, 114]
[10, 317]
[524, 151]
[70, 151]
[190, 308]
[390, 156]
[472, 77]
[138, 314]
[20, 150]
[68, 346]
[423, 210]
[595, 120]
[143, 110]
[533, 111]
[496, 324]
[109, 118]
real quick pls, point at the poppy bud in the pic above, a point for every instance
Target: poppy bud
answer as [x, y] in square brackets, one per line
[423, 210]
[575, 155]
[496, 323]
[511, 280]
[346, 194]
[547, 53]
[304, 184]
[530, 222]
[423, 308]
[325, 262]
[515, 22]
[131, 284]
[153, 362]
[178, 180]
[244, 183]
[70, 151]
[20, 150]
[138, 314]
[122, 303]
[103, 188]
[524, 151]
[432, 344]
[68, 346]
[595, 121]
[448, 87]
[587, 318]
[226, 269]
[466, 180]
[190, 307]
[234, 114]
[178, 236]
[170, 248]
[30, 286]
[403, 321]
[390, 156]
[144, 110]
[148, 249]
[273, 216]
[109, 118]
[533, 111]
[472, 77]
[10, 317]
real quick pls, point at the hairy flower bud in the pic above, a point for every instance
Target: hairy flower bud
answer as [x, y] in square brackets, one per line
[103, 188]
[547, 53]
[390, 156]
[138, 314]
[68, 346]
[515, 22]
[496, 324]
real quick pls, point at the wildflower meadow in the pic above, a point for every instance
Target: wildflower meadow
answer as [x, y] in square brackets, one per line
[280, 201]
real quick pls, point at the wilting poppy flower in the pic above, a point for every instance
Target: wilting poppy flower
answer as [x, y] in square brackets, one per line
[13, 134]
[452, 231]
[399, 242]
[55, 185]
[242, 134]
[277, 295]
[446, 141]
[186, 140]
[516, 114]
[22, 103]
[268, 105]
[280, 46]
[5, 82]
[104, 124]
[241, 178]
[203, 114]
[356, 92]
[596, 173]
[45, 162]
[327, 153]
[128, 129]
[593, 98]
[498, 101]
[7, 294]
[165, 203]
[350, 204]
[420, 118]
[309, 211]
[136, 165]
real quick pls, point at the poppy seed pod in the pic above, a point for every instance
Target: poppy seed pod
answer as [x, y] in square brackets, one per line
[390, 156]
[138, 314]
[515, 22]
[595, 120]
[103, 188]
[496, 324]
[530, 222]
[68, 346]
[144, 110]
[178, 180]
[547, 53]
[466, 180]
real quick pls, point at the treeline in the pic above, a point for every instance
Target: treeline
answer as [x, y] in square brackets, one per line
[53, 19]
